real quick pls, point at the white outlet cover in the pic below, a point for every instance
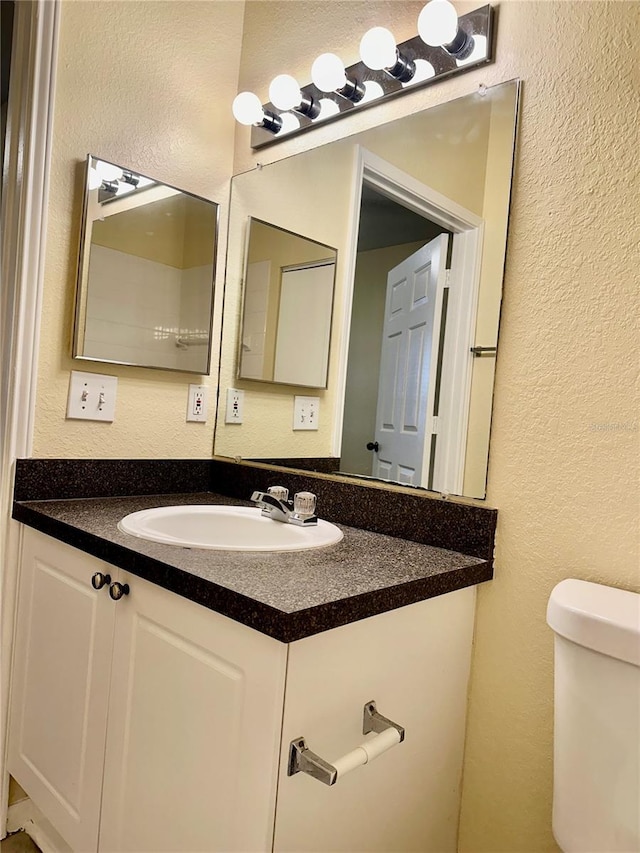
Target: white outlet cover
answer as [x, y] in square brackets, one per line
[92, 396]
[235, 406]
[197, 403]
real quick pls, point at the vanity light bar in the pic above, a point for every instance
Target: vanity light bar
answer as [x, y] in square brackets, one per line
[418, 64]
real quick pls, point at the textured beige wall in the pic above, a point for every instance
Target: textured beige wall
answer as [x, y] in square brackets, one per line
[564, 450]
[178, 231]
[145, 84]
[267, 194]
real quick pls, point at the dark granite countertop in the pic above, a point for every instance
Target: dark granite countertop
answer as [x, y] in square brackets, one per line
[286, 595]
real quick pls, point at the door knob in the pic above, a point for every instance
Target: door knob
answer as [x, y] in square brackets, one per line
[99, 580]
[117, 590]
[373, 445]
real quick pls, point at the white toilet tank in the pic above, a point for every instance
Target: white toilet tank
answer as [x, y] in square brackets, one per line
[596, 795]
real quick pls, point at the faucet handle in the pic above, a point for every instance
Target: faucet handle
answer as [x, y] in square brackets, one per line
[278, 492]
[304, 504]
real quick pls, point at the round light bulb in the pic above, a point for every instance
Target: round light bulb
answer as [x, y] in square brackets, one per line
[284, 92]
[372, 91]
[438, 23]
[124, 188]
[95, 180]
[290, 122]
[247, 108]
[328, 108]
[107, 171]
[328, 73]
[424, 71]
[378, 49]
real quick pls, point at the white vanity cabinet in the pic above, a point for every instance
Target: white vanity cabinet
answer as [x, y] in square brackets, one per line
[144, 724]
[154, 724]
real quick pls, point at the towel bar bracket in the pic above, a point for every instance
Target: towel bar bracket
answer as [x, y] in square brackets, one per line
[373, 721]
[478, 352]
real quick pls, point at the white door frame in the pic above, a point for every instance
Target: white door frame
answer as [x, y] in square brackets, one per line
[464, 285]
[25, 177]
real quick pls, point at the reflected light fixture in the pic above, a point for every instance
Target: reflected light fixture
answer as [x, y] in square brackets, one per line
[445, 44]
[329, 75]
[113, 182]
[130, 178]
[378, 51]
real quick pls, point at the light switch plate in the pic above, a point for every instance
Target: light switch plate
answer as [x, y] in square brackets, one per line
[306, 412]
[92, 396]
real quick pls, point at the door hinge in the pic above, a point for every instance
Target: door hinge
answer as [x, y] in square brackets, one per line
[434, 425]
[447, 278]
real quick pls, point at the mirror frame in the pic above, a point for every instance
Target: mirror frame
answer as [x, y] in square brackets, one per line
[81, 286]
[245, 265]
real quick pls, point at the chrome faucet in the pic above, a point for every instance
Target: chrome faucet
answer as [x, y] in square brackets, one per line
[275, 504]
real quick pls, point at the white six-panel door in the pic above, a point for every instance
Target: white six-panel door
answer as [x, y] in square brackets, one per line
[410, 343]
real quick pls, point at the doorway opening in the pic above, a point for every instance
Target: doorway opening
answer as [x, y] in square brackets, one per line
[431, 262]
[389, 235]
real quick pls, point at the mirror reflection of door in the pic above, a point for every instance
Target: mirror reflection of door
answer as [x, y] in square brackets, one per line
[389, 235]
[405, 437]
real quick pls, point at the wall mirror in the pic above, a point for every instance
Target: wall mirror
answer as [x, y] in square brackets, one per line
[146, 267]
[286, 277]
[418, 210]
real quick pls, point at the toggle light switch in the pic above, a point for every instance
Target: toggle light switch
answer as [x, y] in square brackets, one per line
[306, 412]
[92, 396]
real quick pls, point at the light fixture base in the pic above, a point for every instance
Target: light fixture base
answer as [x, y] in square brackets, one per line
[472, 25]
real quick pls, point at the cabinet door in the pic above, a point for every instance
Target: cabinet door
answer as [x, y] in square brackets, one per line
[414, 662]
[60, 686]
[194, 729]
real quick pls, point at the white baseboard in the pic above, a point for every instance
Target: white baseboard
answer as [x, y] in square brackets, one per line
[25, 815]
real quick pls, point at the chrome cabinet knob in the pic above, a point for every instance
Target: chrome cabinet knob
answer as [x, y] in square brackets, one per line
[118, 590]
[99, 580]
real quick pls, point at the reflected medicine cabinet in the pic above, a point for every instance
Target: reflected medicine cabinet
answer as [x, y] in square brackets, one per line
[146, 268]
[288, 302]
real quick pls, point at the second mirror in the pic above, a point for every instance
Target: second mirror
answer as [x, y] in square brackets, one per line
[288, 302]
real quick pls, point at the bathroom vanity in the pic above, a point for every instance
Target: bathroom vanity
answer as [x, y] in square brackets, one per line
[164, 720]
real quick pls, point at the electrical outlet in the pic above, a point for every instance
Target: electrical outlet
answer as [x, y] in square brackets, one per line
[92, 396]
[235, 406]
[306, 412]
[198, 403]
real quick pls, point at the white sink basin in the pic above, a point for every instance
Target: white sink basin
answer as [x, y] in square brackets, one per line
[225, 528]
